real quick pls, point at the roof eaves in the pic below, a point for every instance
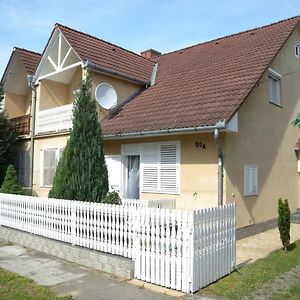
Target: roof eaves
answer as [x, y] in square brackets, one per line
[100, 69]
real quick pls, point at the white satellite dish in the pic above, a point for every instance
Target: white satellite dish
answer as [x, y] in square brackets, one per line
[106, 95]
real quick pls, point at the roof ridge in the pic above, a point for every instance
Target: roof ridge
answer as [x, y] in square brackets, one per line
[229, 36]
[106, 42]
[23, 49]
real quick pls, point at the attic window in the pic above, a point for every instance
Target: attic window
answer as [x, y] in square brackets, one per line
[274, 87]
[297, 51]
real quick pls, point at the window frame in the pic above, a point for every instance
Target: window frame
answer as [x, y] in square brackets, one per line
[275, 76]
[297, 49]
[58, 153]
[250, 193]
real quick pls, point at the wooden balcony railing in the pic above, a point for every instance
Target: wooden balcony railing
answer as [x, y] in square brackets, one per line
[21, 124]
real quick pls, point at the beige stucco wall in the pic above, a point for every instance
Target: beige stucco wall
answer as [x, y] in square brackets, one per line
[198, 169]
[17, 105]
[123, 88]
[266, 139]
[44, 143]
[52, 94]
[74, 84]
[14, 104]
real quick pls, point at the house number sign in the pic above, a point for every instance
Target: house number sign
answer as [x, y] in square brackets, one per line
[200, 145]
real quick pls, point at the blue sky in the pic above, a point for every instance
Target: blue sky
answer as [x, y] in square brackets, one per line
[136, 25]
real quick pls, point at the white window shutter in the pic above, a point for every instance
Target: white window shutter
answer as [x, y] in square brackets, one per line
[113, 163]
[254, 180]
[250, 180]
[50, 162]
[168, 168]
[150, 167]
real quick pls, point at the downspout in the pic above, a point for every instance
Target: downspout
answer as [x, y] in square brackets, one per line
[32, 128]
[220, 166]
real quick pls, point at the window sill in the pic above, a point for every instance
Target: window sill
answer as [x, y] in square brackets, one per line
[45, 186]
[156, 192]
[277, 105]
[250, 195]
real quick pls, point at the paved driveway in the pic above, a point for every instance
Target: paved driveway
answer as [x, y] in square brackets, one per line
[257, 246]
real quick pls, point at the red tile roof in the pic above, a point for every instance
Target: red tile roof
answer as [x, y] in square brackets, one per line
[29, 58]
[202, 84]
[107, 55]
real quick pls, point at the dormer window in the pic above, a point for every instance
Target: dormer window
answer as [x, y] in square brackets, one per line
[274, 87]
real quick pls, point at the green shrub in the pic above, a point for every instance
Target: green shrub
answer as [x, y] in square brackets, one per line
[112, 198]
[11, 184]
[284, 223]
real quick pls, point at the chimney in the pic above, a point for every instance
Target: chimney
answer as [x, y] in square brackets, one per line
[150, 53]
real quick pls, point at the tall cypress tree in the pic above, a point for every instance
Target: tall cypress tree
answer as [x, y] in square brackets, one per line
[8, 140]
[81, 173]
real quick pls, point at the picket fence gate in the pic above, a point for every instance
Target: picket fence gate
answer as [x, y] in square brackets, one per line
[182, 250]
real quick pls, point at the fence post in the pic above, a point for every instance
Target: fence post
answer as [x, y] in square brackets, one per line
[73, 223]
[191, 251]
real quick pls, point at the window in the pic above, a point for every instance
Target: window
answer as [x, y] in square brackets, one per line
[158, 170]
[297, 51]
[113, 163]
[160, 167]
[250, 180]
[274, 87]
[22, 167]
[50, 158]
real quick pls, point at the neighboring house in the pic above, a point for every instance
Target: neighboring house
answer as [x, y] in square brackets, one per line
[17, 104]
[173, 122]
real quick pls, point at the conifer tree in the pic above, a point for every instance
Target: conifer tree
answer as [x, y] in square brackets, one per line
[11, 184]
[81, 173]
[8, 138]
[284, 223]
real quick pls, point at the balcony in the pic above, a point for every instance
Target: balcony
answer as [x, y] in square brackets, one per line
[21, 124]
[55, 119]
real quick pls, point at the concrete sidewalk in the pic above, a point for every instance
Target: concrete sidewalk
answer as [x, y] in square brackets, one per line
[67, 278]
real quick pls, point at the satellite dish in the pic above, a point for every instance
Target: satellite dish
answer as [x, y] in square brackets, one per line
[106, 95]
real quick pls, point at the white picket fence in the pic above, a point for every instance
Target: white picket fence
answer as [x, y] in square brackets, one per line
[164, 203]
[183, 250]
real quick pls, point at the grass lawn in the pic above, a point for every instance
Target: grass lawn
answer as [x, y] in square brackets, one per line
[15, 287]
[253, 276]
[293, 293]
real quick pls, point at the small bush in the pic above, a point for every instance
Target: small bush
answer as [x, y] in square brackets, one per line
[112, 198]
[11, 184]
[284, 223]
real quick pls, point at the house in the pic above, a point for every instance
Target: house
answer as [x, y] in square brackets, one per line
[206, 125]
[17, 104]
